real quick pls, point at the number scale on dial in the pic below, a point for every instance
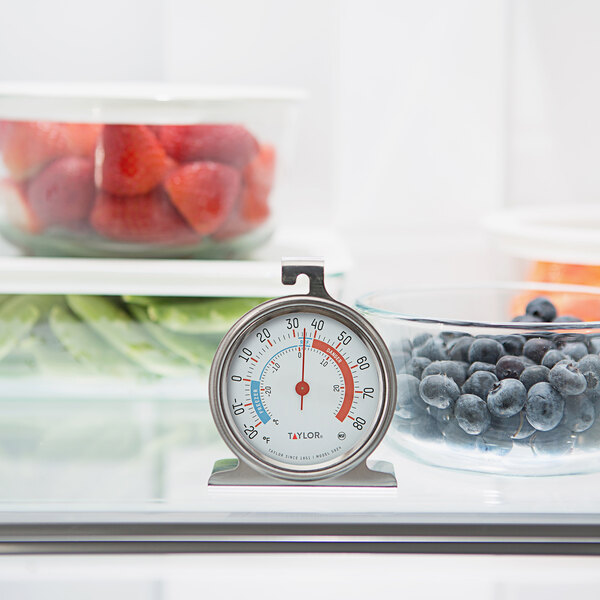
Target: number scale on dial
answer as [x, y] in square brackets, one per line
[303, 389]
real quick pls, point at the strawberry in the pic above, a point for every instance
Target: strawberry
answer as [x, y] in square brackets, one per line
[230, 144]
[28, 146]
[134, 162]
[63, 192]
[204, 193]
[149, 218]
[16, 207]
[258, 182]
[82, 138]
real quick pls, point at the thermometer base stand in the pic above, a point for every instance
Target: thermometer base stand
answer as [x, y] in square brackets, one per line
[231, 471]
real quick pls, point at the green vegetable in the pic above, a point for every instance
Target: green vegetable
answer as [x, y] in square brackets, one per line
[195, 349]
[206, 315]
[51, 358]
[86, 347]
[118, 329]
[18, 315]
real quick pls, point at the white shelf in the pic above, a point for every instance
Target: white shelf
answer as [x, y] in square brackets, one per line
[260, 276]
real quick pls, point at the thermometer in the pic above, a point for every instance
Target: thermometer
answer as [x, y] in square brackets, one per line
[302, 389]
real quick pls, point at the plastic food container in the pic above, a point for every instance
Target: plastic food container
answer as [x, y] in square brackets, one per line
[553, 245]
[142, 171]
[104, 365]
[523, 427]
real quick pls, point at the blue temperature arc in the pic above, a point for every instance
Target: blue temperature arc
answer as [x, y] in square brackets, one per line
[259, 407]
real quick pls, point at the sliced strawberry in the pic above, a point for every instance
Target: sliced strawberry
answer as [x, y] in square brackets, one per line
[258, 182]
[204, 193]
[63, 192]
[82, 137]
[230, 144]
[134, 162]
[147, 218]
[28, 146]
[16, 208]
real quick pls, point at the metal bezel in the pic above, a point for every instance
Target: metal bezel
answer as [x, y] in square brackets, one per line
[218, 387]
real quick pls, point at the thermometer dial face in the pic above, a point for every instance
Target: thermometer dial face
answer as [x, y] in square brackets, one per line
[302, 390]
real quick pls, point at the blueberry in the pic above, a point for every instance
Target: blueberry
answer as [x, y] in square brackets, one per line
[579, 413]
[434, 349]
[506, 398]
[493, 442]
[408, 389]
[566, 378]
[416, 365]
[485, 350]
[576, 350]
[595, 344]
[480, 384]
[557, 441]
[420, 339]
[454, 370]
[439, 391]
[536, 348]
[481, 366]
[459, 349]
[509, 367]
[552, 357]
[425, 428]
[516, 427]
[541, 308]
[513, 344]
[544, 407]
[526, 319]
[472, 414]
[589, 366]
[455, 436]
[567, 319]
[532, 375]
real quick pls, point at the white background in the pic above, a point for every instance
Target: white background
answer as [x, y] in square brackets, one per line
[423, 116]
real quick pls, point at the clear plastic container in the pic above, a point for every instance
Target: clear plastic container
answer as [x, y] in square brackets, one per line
[424, 328]
[142, 171]
[554, 246]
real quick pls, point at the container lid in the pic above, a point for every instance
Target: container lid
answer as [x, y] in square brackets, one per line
[549, 233]
[154, 103]
[258, 277]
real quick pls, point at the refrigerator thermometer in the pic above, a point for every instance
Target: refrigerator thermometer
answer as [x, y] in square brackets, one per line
[302, 389]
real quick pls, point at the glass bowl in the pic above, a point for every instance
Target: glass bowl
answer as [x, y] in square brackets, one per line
[537, 424]
[139, 171]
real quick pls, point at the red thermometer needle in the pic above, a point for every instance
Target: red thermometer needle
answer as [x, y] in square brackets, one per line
[302, 388]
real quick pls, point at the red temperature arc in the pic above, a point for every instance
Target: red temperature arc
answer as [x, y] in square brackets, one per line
[346, 374]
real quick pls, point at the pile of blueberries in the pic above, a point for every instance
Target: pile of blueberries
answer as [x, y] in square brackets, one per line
[490, 393]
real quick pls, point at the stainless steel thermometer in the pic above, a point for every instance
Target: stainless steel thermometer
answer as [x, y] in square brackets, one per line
[302, 390]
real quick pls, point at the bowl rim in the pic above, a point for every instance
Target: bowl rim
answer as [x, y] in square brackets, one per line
[363, 305]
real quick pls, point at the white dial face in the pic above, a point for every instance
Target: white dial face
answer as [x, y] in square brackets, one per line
[303, 390]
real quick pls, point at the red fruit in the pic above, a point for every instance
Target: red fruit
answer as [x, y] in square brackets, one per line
[16, 208]
[230, 144]
[258, 182]
[82, 138]
[134, 162]
[63, 192]
[204, 193]
[28, 146]
[147, 218]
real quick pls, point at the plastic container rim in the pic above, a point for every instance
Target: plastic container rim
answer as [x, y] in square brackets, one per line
[365, 304]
